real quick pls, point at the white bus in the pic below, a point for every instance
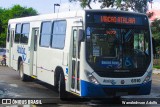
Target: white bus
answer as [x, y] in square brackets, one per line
[90, 53]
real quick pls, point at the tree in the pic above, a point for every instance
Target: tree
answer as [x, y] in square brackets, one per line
[18, 11]
[150, 14]
[84, 3]
[156, 32]
[135, 5]
[15, 12]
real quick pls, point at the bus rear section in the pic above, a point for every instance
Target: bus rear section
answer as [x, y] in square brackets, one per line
[117, 53]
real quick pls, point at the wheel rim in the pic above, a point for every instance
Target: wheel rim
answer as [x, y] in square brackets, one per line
[21, 70]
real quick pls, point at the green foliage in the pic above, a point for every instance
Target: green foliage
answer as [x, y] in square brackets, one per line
[156, 66]
[15, 12]
[18, 11]
[135, 5]
[2, 39]
[156, 32]
[84, 3]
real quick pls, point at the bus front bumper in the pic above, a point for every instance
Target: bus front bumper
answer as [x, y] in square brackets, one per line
[92, 90]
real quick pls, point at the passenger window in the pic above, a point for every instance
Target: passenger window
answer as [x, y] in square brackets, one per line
[18, 33]
[59, 33]
[25, 33]
[45, 34]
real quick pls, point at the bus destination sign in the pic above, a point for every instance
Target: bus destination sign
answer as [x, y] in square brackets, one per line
[129, 20]
[114, 19]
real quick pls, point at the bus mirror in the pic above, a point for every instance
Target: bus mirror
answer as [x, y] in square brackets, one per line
[80, 35]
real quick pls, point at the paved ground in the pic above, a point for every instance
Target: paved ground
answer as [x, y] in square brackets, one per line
[12, 87]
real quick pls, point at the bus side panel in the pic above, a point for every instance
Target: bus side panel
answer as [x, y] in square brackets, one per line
[26, 57]
[48, 58]
[47, 61]
[9, 53]
[67, 51]
[15, 55]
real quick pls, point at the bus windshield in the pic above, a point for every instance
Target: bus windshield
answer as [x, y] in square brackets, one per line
[117, 47]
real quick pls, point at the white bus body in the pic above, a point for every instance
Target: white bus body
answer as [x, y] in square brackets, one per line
[44, 58]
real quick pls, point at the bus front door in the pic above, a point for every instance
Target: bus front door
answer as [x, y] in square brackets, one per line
[33, 52]
[10, 48]
[75, 66]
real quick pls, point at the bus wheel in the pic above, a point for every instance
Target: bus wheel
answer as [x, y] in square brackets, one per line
[61, 87]
[21, 72]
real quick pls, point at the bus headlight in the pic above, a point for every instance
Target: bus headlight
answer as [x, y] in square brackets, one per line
[91, 78]
[148, 77]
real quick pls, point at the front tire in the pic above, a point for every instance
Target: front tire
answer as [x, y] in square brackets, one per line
[61, 87]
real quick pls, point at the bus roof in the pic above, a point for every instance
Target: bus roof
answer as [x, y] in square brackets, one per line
[113, 11]
[46, 17]
[63, 15]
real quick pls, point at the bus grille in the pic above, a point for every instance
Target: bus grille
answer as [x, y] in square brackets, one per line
[120, 74]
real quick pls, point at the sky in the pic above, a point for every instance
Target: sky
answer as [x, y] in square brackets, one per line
[47, 6]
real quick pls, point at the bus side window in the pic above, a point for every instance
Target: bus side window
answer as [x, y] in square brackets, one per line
[25, 33]
[17, 33]
[45, 34]
[12, 38]
[59, 34]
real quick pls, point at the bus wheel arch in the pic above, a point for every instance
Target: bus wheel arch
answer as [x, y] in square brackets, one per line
[60, 82]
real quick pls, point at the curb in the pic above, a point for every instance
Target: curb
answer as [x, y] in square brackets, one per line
[156, 71]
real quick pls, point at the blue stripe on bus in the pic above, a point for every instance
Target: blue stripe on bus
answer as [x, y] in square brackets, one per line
[92, 90]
